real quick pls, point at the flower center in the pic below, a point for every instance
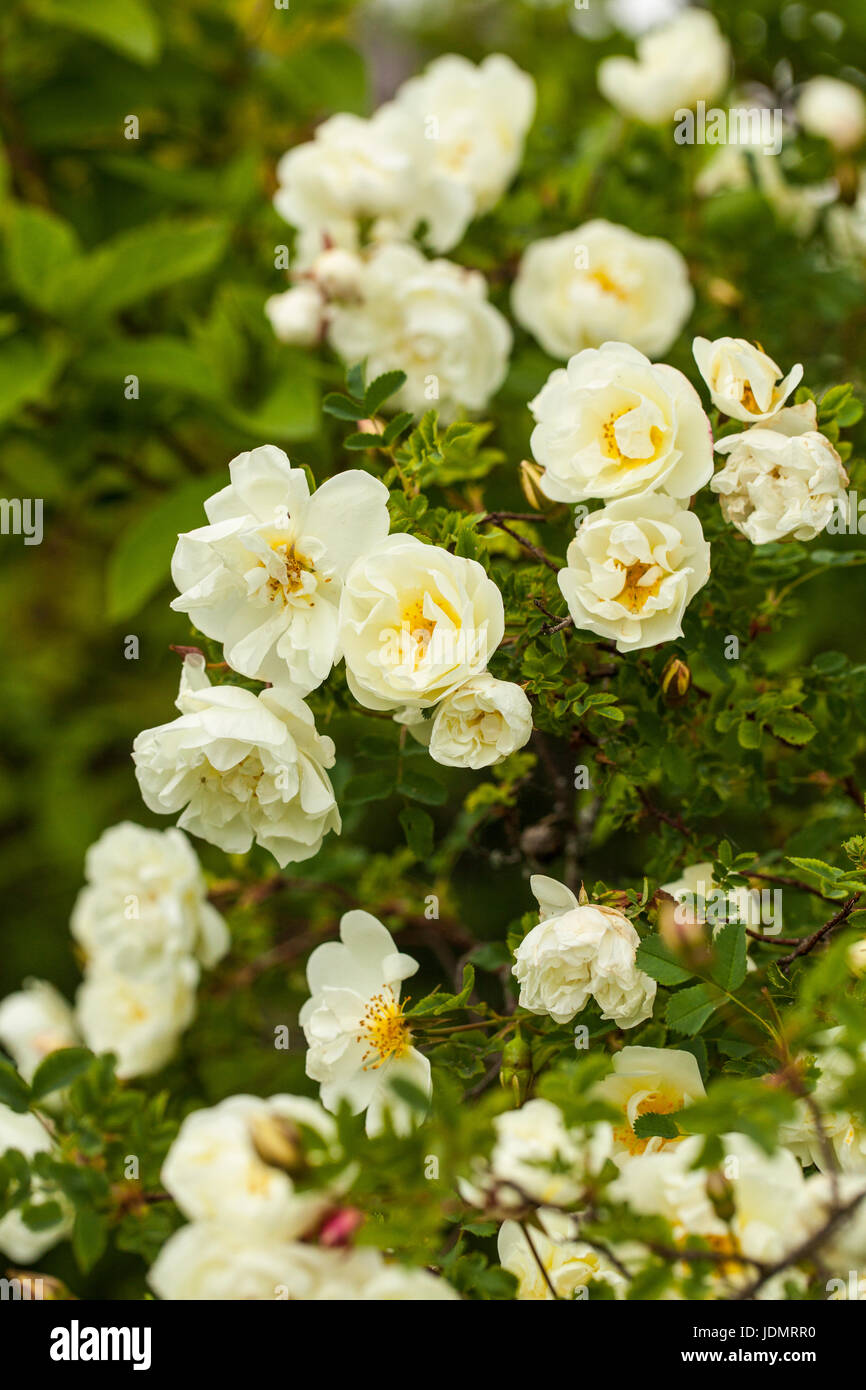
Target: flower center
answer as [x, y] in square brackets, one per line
[384, 1029]
[610, 443]
[296, 566]
[603, 280]
[656, 1103]
[634, 594]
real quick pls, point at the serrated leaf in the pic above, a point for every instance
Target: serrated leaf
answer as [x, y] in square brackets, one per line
[792, 726]
[355, 380]
[658, 961]
[652, 1126]
[342, 408]
[420, 786]
[379, 390]
[729, 956]
[689, 1009]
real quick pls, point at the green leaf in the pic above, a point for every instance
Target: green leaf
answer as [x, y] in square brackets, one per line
[14, 1090]
[729, 964]
[368, 786]
[89, 1237]
[137, 263]
[688, 1010]
[361, 441]
[128, 26]
[39, 246]
[140, 563]
[420, 786]
[396, 427]
[27, 372]
[161, 363]
[658, 961]
[379, 390]
[418, 829]
[652, 1126]
[40, 1216]
[289, 412]
[355, 380]
[749, 734]
[792, 726]
[59, 1069]
[343, 408]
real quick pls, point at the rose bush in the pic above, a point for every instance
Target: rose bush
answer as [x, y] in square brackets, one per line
[481, 461]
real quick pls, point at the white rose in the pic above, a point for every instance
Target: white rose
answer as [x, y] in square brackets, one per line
[145, 899]
[579, 289]
[240, 767]
[845, 1132]
[26, 1134]
[833, 109]
[357, 1035]
[677, 65]
[140, 1017]
[338, 273]
[633, 568]
[475, 120]
[210, 1260]
[264, 576]
[35, 1021]
[430, 319]
[664, 1183]
[744, 382]
[297, 315]
[585, 950]
[781, 480]
[352, 168]
[481, 723]
[416, 622]
[612, 424]
[773, 1212]
[649, 1081]
[364, 1275]
[856, 957]
[568, 1264]
[234, 1163]
[534, 1158]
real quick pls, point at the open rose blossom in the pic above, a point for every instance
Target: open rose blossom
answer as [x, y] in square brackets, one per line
[782, 480]
[611, 424]
[744, 382]
[580, 289]
[632, 570]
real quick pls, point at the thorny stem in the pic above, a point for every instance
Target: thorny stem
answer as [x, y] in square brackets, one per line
[810, 942]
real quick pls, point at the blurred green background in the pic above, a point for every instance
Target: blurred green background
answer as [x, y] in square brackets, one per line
[153, 256]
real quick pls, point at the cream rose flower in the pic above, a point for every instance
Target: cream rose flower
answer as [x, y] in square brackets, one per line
[569, 1264]
[140, 1017]
[744, 382]
[239, 1163]
[431, 320]
[600, 282]
[210, 1260]
[297, 315]
[480, 724]
[611, 424]
[535, 1158]
[833, 109]
[584, 950]
[264, 576]
[781, 480]
[845, 1132]
[357, 1036]
[355, 169]
[416, 622]
[35, 1021]
[17, 1240]
[677, 65]
[474, 121]
[240, 767]
[146, 900]
[664, 1183]
[633, 568]
[649, 1081]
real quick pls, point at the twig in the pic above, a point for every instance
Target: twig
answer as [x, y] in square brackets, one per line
[493, 519]
[810, 942]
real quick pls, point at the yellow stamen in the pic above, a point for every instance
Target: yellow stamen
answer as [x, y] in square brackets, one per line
[385, 1029]
[633, 594]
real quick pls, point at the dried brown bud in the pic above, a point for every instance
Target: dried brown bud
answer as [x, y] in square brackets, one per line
[530, 481]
